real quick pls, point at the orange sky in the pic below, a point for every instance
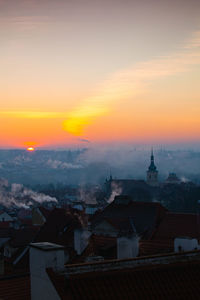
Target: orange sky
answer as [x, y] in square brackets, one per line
[68, 76]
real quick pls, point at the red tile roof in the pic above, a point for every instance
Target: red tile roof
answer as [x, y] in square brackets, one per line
[45, 212]
[173, 225]
[105, 246]
[59, 228]
[15, 287]
[180, 280]
[178, 225]
[150, 247]
[144, 215]
[23, 237]
[5, 224]
[26, 221]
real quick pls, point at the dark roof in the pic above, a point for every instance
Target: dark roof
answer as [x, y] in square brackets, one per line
[19, 237]
[123, 225]
[150, 247]
[6, 232]
[178, 225]
[180, 280]
[136, 188]
[172, 226]
[59, 227]
[45, 212]
[15, 287]
[25, 221]
[22, 237]
[144, 215]
[5, 224]
[105, 246]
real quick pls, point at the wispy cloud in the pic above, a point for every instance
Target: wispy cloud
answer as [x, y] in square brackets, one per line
[132, 81]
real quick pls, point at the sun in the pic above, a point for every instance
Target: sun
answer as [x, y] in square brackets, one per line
[30, 149]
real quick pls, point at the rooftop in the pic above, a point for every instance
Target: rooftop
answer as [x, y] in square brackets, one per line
[172, 276]
[145, 215]
[178, 225]
[15, 287]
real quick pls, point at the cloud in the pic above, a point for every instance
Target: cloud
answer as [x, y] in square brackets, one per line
[131, 82]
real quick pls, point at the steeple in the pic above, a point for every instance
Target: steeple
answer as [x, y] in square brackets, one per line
[152, 173]
[152, 166]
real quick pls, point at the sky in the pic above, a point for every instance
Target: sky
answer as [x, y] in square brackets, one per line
[87, 71]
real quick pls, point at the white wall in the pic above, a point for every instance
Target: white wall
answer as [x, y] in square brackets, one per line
[185, 244]
[41, 285]
[127, 247]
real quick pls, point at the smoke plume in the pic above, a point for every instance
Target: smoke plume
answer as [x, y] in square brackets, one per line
[19, 196]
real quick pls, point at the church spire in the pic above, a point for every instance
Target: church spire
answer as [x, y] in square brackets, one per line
[152, 153]
[152, 166]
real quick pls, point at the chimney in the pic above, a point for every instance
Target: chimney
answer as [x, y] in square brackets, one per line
[184, 244]
[42, 256]
[127, 247]
[81, 240]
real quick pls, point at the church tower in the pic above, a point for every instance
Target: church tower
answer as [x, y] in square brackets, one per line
[152, 173]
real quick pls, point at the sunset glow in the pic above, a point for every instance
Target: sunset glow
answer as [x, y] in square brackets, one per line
[102, 75]
[30, 149]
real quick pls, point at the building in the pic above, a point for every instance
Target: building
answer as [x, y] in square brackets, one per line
[174, 227]
[59, 228]
[172, 179]
[152, 173]
[40, 215]
[117, 230]
[139, 190]
[167, 276]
